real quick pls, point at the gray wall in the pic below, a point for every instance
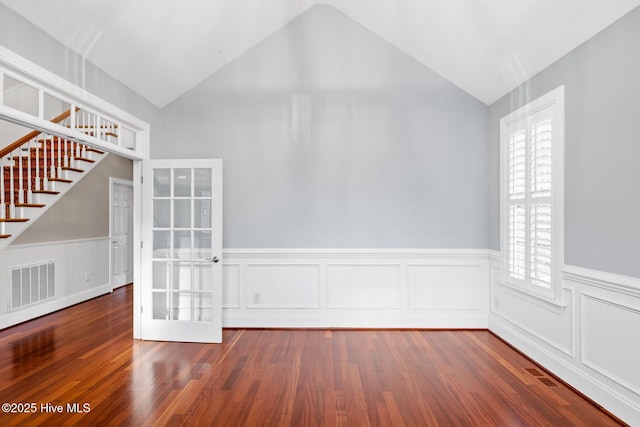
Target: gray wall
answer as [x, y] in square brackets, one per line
[333, 138]
[602, 147]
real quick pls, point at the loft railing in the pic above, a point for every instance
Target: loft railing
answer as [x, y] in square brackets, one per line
[23, 96]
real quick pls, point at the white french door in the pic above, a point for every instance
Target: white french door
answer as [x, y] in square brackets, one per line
[182, 250]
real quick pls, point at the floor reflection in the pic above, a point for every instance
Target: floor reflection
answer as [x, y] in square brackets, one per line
[30, 350]
[159, 369]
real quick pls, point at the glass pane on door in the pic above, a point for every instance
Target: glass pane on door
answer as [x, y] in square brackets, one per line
[182, 244]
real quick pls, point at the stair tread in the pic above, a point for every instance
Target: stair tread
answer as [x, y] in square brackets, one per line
[45, 192]
[14, 219]
[30, 205]
[5, 236]
[67, 168]
[60, 180]
[85, 159]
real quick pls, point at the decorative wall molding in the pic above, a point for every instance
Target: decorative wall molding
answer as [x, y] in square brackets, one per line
[81, 273]
[612, 358]
[361, 253]
[566, 348]
[377, 288]
[603, 316]
[613, 282]
[620, 404]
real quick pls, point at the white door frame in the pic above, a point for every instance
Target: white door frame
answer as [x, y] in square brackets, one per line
[113, 181]
[137, 244]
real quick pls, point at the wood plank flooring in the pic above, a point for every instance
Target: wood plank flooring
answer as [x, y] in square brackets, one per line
[83, 358]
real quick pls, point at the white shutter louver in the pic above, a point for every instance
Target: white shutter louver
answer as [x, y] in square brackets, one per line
[540, 245]
[532, 197]
[517, 242]
[540, 159]
[529, 180]
[517, 164]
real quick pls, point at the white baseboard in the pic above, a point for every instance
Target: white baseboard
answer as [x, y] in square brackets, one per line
[598, 359]
[356, 288]
[47, 307]
[365, 320]
[610, 399]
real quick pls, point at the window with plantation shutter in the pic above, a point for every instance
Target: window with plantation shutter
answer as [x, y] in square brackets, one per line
[532, 163]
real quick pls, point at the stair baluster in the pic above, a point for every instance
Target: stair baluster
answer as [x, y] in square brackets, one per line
[44, 164]
[12, 202]
[3, 211]
[28, 171]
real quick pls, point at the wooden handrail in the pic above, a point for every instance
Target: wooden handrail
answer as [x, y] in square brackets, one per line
[28, 137]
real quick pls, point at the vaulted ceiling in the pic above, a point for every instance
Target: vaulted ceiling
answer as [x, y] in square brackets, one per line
[163, 48]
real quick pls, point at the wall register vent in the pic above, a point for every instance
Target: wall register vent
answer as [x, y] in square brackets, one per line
[31, 284]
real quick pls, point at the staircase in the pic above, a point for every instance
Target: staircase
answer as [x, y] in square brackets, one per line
[39, 168]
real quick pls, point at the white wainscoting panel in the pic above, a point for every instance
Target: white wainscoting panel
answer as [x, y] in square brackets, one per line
[610, 329]
[592, 343]
[81, 273]
[363, 286]
[356, 288]
[231, 286]
[553, 327]
[282, 286]
[446, 287]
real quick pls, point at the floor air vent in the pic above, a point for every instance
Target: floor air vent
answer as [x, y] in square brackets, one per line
[32, 284]
[534, 372]
[546, 381]
[541, 377]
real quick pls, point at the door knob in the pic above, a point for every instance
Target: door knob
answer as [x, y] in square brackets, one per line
[214, 259]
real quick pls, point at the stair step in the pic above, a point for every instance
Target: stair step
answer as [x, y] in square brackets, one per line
[5, 236]
[30, 205]
[45, 192]
[85, 159]
[14, 219]
[67, 168]
[60, 180]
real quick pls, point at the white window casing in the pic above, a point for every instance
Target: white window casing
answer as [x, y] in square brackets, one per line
[532, 197]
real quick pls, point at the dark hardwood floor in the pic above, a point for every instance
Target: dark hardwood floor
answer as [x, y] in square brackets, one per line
[83, 358]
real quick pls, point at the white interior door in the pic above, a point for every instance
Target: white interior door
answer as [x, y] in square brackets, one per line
[182, 250]
[121, 232]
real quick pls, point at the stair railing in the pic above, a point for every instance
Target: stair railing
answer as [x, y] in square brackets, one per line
[31, 162]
